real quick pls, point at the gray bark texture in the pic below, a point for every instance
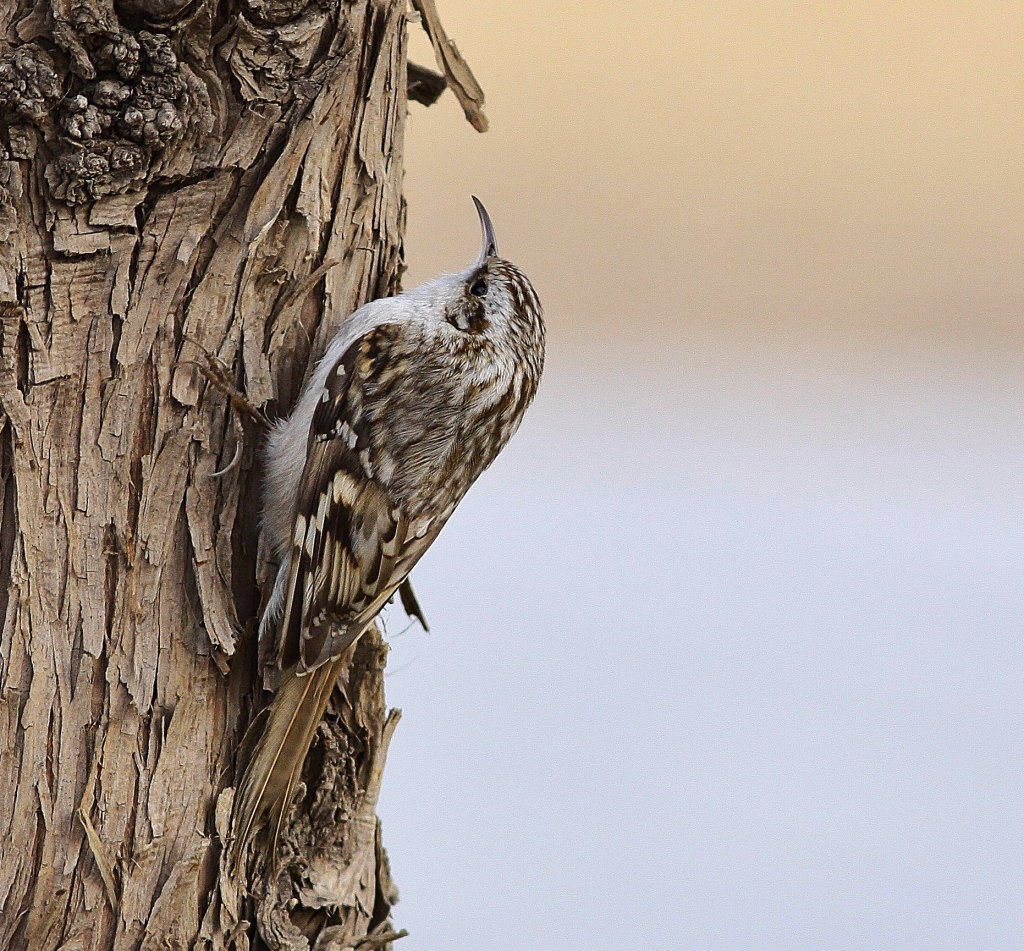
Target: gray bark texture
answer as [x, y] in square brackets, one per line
[174, 177]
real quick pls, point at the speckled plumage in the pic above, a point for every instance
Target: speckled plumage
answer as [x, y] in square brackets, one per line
[413, 399]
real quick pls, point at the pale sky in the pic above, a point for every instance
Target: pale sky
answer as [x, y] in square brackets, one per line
[726, 648]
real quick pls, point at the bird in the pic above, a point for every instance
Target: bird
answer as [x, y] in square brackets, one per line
[413, 399]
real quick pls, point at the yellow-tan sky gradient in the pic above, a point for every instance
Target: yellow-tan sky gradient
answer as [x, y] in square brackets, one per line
[845, 167]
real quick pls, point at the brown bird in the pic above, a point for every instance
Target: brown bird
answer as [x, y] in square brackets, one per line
[413, 399]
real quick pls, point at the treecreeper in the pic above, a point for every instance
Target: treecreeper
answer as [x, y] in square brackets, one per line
[414, 397]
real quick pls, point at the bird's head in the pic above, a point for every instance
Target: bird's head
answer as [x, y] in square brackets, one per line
[491, 299]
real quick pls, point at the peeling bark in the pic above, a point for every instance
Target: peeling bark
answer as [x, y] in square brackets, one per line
[456, 70]
[170, 170]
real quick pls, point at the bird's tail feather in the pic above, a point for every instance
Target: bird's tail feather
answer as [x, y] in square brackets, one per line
[280, 738]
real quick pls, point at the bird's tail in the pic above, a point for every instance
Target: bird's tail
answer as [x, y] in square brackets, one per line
[279, 739]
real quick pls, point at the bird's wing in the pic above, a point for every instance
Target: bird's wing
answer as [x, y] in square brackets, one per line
[352, 543]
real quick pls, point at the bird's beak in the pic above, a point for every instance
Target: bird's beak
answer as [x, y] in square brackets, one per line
[490, 248]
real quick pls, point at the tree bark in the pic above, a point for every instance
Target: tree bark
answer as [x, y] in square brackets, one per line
[172, 172]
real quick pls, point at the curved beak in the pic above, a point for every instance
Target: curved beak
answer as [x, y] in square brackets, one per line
[490, 248]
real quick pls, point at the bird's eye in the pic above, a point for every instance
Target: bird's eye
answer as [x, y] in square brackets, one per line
[479, 288]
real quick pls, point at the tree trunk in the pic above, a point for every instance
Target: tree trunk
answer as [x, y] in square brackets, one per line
[172, 173]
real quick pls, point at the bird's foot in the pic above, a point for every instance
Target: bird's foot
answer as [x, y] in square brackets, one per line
[217, 373]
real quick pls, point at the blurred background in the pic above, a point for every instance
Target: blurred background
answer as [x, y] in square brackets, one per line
[726, 648]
